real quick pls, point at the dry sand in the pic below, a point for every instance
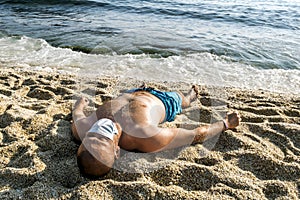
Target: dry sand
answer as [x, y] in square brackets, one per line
[259, 160]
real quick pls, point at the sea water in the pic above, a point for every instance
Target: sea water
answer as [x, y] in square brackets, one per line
[250, 44]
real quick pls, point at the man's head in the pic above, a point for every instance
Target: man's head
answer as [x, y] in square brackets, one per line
[99, 149]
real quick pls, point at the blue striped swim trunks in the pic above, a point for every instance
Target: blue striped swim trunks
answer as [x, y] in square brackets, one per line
[171, 100]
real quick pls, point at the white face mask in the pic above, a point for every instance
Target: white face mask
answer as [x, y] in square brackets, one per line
[104, 127]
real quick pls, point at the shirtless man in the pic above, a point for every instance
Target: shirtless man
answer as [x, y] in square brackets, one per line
[131, 122]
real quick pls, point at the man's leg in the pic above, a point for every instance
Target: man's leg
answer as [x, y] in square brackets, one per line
[81, 123]
[190, 97]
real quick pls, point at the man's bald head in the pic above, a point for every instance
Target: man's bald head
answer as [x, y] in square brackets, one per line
[96, 155]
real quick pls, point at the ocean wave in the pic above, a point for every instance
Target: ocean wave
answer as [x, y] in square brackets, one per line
[256, 14]
[53, 2]
[200, 68]
[263, 34]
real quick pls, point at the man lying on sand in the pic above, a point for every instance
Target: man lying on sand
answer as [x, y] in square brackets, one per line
[131, 122]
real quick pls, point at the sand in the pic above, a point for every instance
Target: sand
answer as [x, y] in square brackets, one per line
[258, 160]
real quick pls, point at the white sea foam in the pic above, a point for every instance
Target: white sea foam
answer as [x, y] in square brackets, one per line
[200, 68]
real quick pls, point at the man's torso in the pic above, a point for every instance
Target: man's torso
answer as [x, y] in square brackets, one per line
[135, 112]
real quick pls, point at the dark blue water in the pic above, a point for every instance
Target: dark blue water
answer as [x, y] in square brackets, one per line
[183, 35]
[262, 33]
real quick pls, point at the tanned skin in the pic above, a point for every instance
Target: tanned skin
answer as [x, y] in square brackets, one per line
[137, 116]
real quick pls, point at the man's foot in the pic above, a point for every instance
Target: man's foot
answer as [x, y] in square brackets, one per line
[193, 93]
[144, 85]
[189, 97]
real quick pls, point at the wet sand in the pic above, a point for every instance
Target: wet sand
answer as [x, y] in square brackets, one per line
[258, 160]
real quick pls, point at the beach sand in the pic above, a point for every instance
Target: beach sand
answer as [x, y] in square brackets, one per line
[258, 160]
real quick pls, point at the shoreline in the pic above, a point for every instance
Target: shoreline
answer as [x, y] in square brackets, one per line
[259, 160]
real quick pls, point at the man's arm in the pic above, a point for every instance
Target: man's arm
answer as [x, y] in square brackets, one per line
[169, 138]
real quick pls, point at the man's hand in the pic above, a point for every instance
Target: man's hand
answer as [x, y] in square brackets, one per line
[232, 120]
